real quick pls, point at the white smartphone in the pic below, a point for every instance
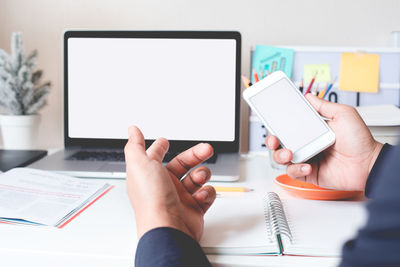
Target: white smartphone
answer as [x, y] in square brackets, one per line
[287, 114]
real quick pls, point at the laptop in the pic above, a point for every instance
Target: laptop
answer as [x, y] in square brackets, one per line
[181, 85]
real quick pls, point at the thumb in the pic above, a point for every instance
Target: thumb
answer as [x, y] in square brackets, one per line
[323, 107]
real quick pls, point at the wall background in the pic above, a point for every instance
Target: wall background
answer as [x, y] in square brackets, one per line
[283, 22]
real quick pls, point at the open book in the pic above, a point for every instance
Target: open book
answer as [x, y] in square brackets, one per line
[251, 224]
[34, 197]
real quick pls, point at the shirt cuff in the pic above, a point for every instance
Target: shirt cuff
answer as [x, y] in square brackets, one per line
[377, 168]
[166, 247]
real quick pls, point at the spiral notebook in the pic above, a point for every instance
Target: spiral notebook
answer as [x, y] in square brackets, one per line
[250, 224]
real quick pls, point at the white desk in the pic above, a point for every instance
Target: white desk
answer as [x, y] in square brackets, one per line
[105, 234]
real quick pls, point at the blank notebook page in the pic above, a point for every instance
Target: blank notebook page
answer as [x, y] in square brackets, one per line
[236, 224]
[320, 228]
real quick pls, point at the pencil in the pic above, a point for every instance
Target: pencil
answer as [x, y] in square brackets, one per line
[329, 87]
[321, 94]
[316, 89]
[311, 84]
[274, 66]
[232, 189]
[301, 86]
[255, 75]
[246, 81]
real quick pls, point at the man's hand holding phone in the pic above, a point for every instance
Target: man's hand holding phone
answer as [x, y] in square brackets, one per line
[344, 165]
[285, 112]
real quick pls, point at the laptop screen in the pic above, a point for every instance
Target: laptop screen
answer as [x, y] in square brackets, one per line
[183, 89]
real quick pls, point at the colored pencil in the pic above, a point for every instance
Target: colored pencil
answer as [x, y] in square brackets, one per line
[256, 79]
[329, 87]
[274, 66]
[301, 87]
[246, 81]
[321, 94]
[311, 84]
[316, 89]
[232, 189]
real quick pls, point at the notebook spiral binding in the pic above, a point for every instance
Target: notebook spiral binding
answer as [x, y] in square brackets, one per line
[275, 215]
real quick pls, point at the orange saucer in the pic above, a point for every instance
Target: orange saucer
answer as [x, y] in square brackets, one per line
[311, 191]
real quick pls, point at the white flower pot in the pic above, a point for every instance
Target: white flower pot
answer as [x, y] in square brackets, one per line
[19, 132]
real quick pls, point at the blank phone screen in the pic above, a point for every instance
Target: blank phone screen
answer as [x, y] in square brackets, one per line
[288, 115]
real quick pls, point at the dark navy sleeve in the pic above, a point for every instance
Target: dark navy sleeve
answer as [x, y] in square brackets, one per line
[378, 166]
[169, 247]
[378, 242]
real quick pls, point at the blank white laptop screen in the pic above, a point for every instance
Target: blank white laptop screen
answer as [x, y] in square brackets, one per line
[180, 89]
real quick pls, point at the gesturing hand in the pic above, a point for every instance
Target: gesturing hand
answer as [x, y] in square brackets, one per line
[346, 164]
[158, 195]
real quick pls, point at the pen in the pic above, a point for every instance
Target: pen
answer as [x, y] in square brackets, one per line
[255, 75]
[311, 83]
[321, 94]
[301, 86]
[231, 189]
[329, 88]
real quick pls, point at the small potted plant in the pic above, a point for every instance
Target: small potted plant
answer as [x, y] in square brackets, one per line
[22, 94]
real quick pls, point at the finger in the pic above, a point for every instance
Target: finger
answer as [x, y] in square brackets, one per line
[135, 147]
[313, 176]
[205, 197]
[272, 142]
[298, 171]
[190, 158]
[196, 179]
[324, 107]
[158, 149]
[282, 156]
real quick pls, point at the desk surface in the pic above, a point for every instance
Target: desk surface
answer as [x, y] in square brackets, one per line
[105, 233]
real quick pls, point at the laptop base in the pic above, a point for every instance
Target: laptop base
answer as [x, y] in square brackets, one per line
[225, 169]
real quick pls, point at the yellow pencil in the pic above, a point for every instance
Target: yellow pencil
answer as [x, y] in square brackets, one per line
[322, 93]
[232, 189]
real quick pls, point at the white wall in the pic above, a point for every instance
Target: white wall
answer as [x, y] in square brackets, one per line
[285, 22]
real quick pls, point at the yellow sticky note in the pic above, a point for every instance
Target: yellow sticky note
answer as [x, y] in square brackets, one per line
[323, 72]
[359, 72]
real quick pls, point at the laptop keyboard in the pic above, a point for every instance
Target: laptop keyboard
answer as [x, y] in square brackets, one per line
[118, 156]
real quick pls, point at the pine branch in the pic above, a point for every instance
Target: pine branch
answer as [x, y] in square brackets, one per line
[27, 94]
[19, 90]
[36, 76]
[17, 51]
[24, 74]
[39, 98]
[8, 91]
[9, 97]
[31, 60]
[4, 75]
[3, 57]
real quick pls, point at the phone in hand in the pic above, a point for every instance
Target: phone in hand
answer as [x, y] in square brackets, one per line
[286, 114]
